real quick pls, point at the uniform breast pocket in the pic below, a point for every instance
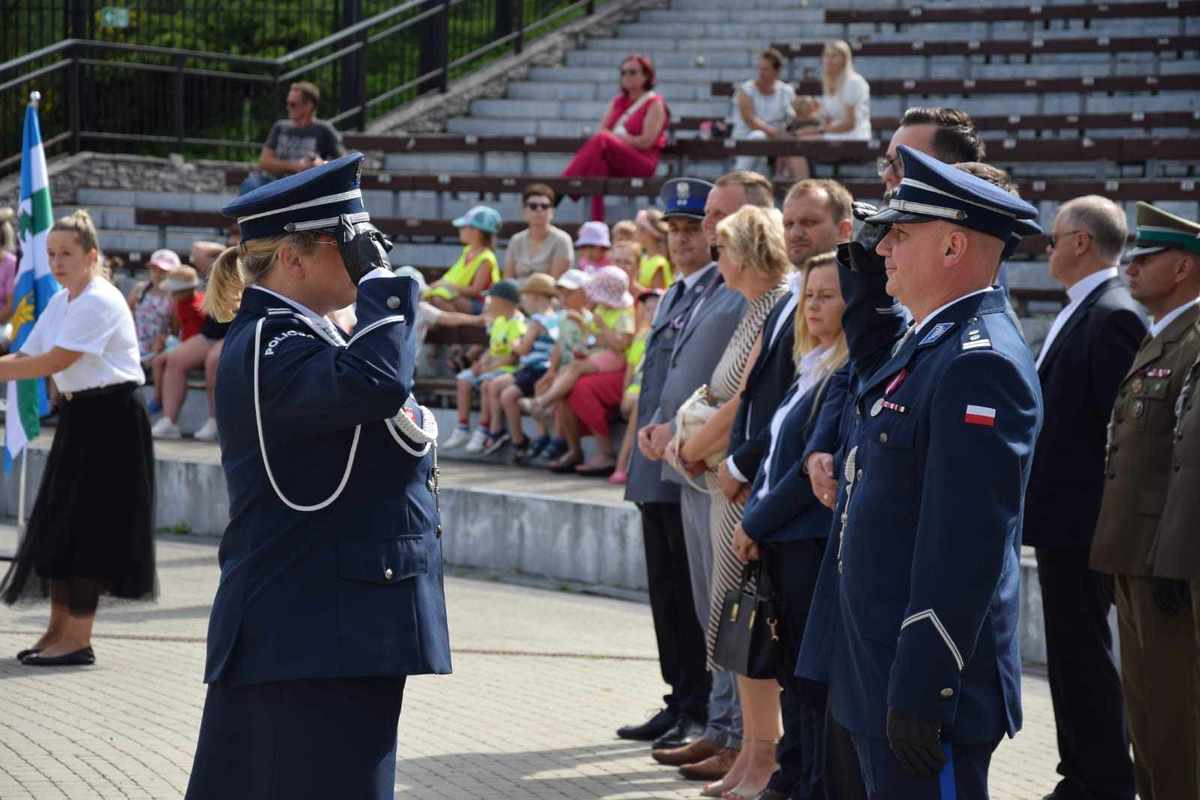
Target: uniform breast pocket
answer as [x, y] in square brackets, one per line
[1150, 408]
[383, 561]
[893, 455]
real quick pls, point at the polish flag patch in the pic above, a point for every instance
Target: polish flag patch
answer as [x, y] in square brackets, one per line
[980, 415]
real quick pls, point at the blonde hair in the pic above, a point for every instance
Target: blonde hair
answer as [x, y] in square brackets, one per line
[244, 264]
[80, 223]
[755, 236]
[832, 87]
[624, 231]
[805, 341]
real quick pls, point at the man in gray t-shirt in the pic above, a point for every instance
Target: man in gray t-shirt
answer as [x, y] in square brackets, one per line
[297, 143]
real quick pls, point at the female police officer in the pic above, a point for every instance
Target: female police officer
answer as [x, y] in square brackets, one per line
[331, 575]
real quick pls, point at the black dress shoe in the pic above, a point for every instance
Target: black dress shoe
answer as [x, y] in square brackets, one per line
[21, 656]
[652, 728]
[78, 658]
[682, 733]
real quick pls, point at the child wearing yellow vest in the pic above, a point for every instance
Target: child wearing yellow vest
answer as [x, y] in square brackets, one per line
[464, 285]
[505, 329]
[654, 270]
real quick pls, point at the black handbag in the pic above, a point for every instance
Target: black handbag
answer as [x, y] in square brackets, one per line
[747, 642]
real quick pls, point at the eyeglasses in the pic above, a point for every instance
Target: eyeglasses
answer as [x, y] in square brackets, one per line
[538, 206]
[631, 72]
[1054, 238]
[884, 163]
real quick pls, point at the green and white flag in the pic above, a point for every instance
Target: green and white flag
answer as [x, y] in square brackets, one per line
[33, 288]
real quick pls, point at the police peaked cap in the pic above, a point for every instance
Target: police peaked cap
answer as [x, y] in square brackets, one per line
[932, 190]
[311, 200]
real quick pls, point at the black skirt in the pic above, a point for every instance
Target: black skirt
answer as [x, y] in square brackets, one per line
[94, 513]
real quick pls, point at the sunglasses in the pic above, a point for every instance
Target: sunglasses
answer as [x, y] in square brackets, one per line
[538, 206]
[631, 72]
[1054, 239]
[883, 164]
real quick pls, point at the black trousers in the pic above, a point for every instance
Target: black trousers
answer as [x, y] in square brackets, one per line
[1085, 688]
[680, 639]
[793, 568]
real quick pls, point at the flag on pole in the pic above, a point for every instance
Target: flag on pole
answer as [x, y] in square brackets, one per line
[33, 288]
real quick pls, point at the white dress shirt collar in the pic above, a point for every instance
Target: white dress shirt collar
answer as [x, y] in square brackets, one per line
[323, 324]
[1161, 325]
[1079, 291]
[690, 281]
[920, 327]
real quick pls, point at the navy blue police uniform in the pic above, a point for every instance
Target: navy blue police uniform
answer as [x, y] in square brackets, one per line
[331, 570]
[924, 562]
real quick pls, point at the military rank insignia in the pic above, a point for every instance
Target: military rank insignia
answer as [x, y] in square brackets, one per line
[980, 415]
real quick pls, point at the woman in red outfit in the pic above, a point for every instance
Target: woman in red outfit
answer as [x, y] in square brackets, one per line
[632, 133]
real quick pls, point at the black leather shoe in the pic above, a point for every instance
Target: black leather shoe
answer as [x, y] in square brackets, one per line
[681, 734]
[21, 656]
[652, 728]
[79, 658]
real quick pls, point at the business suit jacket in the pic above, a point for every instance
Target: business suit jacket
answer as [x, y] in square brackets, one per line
[1138, 459]
[790, 511]
[1079, 376]
[700, 346]
[1177, 545]
[645, 484]
[770, 378]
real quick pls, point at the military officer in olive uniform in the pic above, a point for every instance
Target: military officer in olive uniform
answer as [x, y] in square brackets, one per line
[1158, 646]
[331, 567]
[924, 668]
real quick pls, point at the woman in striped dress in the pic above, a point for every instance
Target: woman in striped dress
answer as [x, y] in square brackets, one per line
[753, 261]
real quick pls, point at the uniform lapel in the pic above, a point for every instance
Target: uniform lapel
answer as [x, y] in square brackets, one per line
[1152, 350]
[701, 292]
[1074, 320]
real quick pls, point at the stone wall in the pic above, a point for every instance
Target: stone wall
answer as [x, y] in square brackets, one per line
[126, 172]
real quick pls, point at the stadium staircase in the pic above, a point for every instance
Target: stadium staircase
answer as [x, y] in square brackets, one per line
[1072, 98]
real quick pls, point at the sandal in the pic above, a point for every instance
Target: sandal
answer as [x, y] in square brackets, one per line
[566, 464]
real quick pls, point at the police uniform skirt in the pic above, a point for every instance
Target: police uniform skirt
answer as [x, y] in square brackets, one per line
[298, 740]
[94, 513]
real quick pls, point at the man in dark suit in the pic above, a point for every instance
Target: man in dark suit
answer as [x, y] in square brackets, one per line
[1082, 361]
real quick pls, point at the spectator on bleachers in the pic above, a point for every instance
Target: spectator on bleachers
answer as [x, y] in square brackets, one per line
[8, 272]
[203, 255]
[843, 111]
[541, 247]
[535, 351]
[505, 329]
[654, 268]
[763, 107]
[151, 306]
[592, 247]
[464, 285]
[627, 255]
[624, 231]
[632, 133]
[647, 305]
[297, 143]
[611, 334]
[185, 320]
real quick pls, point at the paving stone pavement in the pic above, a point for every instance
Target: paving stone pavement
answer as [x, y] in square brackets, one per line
[542, 678]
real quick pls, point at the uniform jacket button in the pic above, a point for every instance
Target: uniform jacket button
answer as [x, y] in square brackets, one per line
[393, 303]
[387, 574]
[858, 476]
[883, 438]
[947, 693]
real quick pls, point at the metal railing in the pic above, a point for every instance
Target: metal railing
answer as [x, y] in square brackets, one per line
[127, 97]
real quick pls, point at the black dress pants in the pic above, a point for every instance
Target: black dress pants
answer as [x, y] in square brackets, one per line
[1085, 688]
[680, 638]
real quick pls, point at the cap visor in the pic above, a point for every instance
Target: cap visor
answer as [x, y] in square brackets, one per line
[461, 222]
[891, 216]
[1141, 251]
[684, 214]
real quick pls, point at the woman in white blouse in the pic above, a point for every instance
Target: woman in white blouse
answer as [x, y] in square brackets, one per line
[843, 111]
[90, 531]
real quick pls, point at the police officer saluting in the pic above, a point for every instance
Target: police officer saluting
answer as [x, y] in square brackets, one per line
[331, 571]
[925, 669]
[1147, 544]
